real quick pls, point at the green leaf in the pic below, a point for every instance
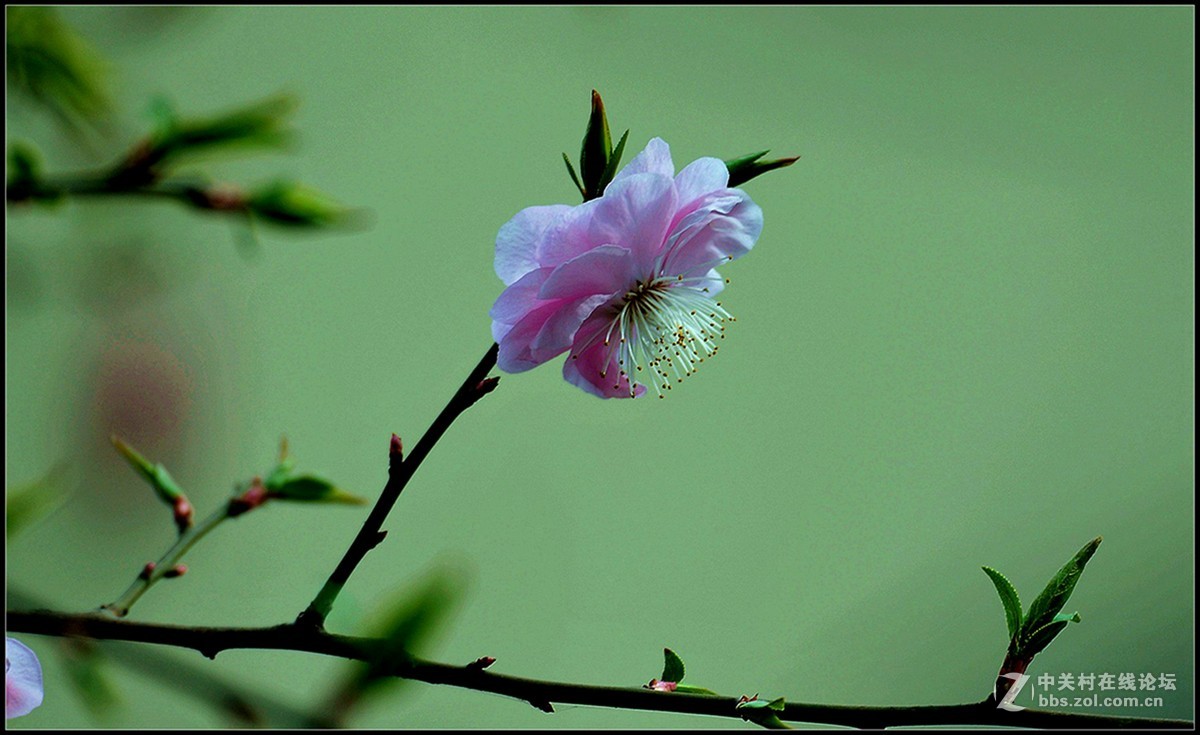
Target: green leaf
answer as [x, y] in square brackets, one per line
[1046, 606]
[777, 704]
[596, 148]
[747, 167]
[673, 668]
[1008, 598]
[310, 489]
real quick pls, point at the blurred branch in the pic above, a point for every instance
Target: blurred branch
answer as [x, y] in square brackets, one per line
[542, 693]
[400, 471]
[144, 171]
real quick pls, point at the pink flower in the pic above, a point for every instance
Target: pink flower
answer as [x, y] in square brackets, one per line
[626, 282]
[22, 679]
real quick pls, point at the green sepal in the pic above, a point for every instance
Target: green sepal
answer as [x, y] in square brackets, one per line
[1008, 598]
[164, 485]
[595, 150]
[673, 668]
[614, 160]
[1050, 602]
[574, 176]
[747, 167]
[310, 489]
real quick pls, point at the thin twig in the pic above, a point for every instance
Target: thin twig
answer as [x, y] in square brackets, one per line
[542, 693]
[400, 472]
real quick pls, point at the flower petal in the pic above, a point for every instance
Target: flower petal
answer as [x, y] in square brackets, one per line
[700, 177]
[723, 228]
[655, 158]
[635, 213]
[518, 241]
[520, 298]
[590, 357]
[516, 354]
[606, 269]
[22, 679]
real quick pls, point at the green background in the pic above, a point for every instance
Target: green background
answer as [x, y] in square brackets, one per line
[965, 337]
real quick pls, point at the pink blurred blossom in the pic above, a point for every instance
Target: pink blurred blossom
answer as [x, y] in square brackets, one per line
[22, 679]
[626, 282]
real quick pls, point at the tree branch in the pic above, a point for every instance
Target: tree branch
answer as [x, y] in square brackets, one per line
[400, 472]
[541, 693]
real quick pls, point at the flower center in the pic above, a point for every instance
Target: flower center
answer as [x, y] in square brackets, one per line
[664, 328]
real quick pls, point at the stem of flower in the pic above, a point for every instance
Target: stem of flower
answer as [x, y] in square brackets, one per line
[164, 566]
[399, 473]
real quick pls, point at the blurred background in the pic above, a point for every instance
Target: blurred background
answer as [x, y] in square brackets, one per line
[964, 338]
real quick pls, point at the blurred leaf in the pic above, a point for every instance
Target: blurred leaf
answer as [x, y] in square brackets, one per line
[673, 668]
[259, 125]
[88, 674]
[1008, 598]
[404, 626]
[749, 166]
[295, 205]
[310, 489]
[26, 504]
[55, 67]
[1046, 606]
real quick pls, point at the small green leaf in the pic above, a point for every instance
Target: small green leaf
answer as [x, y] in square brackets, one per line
[1040, 638]
[1046, 606]
[753, 704]
[673, 668]
[280, 475]
[164, 485]
[686, 689]
[777, 704]
[574, 176]
[310, 489]
[1008, 598]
